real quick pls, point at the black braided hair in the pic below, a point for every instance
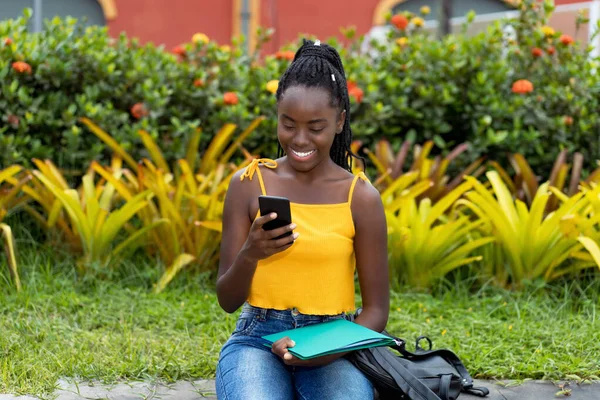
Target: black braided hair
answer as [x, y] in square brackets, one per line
[313, 66]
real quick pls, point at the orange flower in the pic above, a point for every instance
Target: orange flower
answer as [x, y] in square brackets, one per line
[522, 86]
[198, 82]
[7, 41]
[357, 93]
[138, 110]
[285, 55]
[566, 40]
[21, 67]
[350, 85]
[537, 52]
[551, 50]
[179, 50]
[568, 120]
[399, 21]
[230, 98]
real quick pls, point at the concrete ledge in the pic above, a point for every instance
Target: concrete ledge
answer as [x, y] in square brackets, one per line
[205, 389]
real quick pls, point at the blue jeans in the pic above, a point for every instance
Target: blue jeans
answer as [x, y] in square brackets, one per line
[248, 370]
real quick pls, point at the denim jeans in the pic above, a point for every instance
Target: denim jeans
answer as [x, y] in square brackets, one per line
[248, 370]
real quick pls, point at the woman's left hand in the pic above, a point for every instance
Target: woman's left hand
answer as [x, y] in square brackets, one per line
[281, 347]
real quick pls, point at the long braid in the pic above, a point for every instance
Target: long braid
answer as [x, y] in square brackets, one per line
[321, 66]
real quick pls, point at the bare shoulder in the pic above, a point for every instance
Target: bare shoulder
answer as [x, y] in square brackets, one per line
[236, 184]
[365, 193]
[365, 198]
[240, 191]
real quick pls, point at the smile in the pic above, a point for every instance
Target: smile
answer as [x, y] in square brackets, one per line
[302, 154]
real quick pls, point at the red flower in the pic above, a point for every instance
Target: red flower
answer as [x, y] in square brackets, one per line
[566, 40]
[537, 52]
[13, 120]
[357, 93]
[230, 98]
[179, 50]
[285, 55]
[551, 50]
[21, 67]
[198, 82]
[522, 86]
[568, 120]
[138, 110]
[7, 41]
[351, 85]
[399, 21]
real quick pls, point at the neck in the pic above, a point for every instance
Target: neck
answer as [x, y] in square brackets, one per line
[317, 172]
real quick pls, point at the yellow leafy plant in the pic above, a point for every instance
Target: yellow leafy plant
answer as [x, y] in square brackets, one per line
[93, 216]
[425, 243]
[524, 184]
[529, 243]
[10, 187]
[191, 202]
[390, 167]
[47, 209]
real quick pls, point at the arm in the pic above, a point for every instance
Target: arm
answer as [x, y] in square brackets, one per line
[370, 247]
[243, 244]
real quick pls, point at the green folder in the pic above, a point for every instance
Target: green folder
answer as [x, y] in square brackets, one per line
[330, 337]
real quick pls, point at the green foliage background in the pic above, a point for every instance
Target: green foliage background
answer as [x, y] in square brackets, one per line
[452, 90]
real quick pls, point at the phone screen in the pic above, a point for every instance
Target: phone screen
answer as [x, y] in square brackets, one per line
[279, 205]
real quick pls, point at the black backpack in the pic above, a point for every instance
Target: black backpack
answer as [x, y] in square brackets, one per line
[422, 375]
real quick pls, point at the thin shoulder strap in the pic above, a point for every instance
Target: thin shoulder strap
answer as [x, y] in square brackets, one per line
[360, 175]
[254, 167]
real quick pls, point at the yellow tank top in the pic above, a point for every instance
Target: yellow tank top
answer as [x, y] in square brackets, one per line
[316, 274]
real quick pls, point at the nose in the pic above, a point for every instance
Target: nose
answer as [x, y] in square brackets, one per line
[301, 138]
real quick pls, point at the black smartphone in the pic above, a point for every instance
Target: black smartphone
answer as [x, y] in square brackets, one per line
[279, 205]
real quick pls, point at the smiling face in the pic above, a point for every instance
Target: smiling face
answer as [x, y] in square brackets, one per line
[307, 125]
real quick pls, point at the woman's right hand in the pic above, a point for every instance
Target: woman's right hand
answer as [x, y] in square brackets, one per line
[262, 244]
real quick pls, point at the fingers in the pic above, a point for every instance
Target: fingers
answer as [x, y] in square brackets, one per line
[281, 346]
[266, 243]
[260, 221]
[272, 234]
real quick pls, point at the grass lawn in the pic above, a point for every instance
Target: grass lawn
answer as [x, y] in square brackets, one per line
[110, 326]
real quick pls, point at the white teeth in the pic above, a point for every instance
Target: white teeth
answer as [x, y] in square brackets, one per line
[300, 154]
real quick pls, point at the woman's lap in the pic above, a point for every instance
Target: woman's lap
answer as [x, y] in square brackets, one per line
[248, 370]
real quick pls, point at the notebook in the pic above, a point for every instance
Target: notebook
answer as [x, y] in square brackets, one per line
[330, 337]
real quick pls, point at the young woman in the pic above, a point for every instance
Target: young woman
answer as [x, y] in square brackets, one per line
[338, 225]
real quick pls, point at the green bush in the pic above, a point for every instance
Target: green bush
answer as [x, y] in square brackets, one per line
[413, 85]
[461, 89]
[69, 71]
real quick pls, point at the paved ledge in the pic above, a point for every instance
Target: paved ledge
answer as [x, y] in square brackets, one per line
[205, 390]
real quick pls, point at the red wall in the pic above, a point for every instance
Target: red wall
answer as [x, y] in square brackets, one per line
[171, 22]
[322, 18]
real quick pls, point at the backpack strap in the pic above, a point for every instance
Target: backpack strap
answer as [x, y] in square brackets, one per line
[479, 391]
[407, 382]
[445, 381]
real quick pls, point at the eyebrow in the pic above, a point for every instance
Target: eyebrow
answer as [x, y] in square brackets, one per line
[312, 121]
